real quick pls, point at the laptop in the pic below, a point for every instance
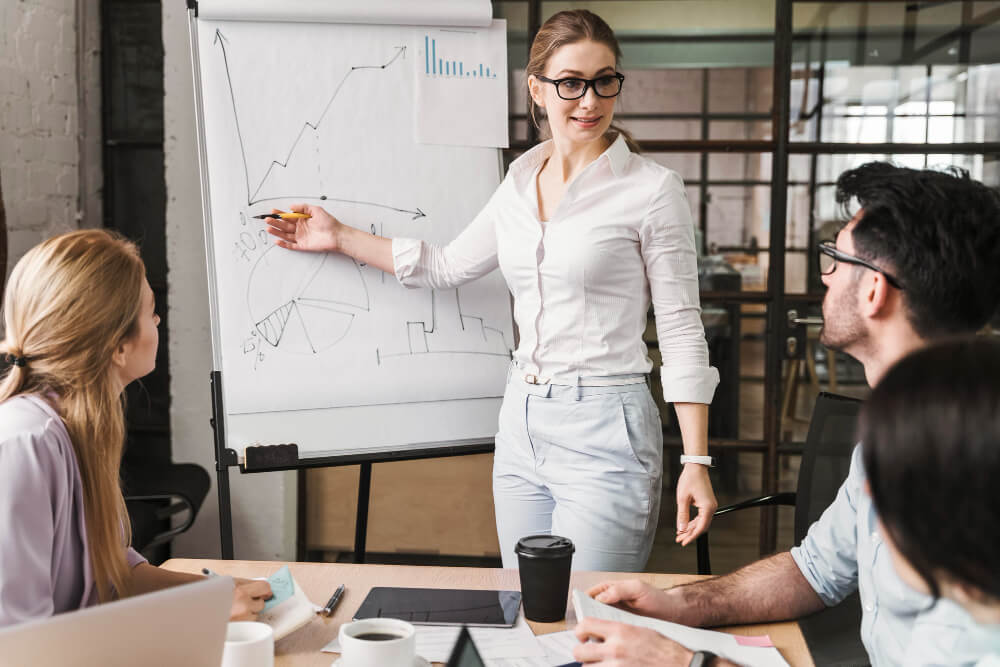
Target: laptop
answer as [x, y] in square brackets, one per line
[183, 625]
[465, 653]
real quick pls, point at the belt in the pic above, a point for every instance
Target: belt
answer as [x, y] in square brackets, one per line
[531, 378]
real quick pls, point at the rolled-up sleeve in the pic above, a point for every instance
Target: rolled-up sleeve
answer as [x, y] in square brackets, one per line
[471, 255]
[668, 251]
[26, 514]
[828, 555]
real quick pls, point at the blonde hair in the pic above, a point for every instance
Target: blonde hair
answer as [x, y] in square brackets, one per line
[71, 301]
[570, 27]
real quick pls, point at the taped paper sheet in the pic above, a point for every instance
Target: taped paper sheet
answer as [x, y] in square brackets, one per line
[461, 84]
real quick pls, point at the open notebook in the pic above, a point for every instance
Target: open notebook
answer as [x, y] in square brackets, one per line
[695, 639]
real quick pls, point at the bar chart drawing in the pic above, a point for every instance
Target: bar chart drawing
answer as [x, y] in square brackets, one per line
[444, 65]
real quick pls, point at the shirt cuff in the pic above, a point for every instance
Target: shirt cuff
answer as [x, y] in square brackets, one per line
[406, 260]
[689, 384]
[134, 558]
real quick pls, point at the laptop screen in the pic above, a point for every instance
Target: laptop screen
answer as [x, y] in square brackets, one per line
[465, 653]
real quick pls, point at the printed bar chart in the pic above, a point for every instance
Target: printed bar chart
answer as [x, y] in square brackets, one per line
[445, 67]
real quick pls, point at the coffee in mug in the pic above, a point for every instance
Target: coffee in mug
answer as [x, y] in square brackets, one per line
[377, 642]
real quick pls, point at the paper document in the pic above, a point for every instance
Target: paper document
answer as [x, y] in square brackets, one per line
[461, 86]
[558, 648]
[720, 643]
[435, 642]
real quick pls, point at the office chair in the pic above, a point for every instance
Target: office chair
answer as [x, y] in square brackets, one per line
[833, 634]
[156, 493]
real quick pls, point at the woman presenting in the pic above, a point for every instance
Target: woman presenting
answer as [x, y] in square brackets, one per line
[587, 234]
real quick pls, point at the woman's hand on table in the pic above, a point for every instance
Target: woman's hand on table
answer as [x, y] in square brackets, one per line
[694, 488]
[620, 644]
[320, 232]
[249, 597]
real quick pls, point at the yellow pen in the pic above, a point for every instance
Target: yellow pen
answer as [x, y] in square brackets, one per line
[283, 216]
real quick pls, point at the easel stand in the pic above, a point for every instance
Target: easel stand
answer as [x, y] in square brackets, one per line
[286, 457]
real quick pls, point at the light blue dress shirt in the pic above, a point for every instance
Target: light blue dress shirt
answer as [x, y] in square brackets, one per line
[843, 552]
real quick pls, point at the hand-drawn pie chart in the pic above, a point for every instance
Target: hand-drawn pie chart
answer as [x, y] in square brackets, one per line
[305, 303]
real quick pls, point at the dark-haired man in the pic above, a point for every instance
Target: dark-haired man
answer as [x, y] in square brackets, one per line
[920, 261]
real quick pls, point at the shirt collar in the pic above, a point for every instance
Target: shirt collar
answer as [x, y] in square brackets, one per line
[617, 155]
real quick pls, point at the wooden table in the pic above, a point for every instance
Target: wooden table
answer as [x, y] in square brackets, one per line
[319, 580]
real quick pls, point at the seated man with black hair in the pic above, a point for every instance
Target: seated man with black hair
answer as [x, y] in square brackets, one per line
[918, 263]
[932, 455]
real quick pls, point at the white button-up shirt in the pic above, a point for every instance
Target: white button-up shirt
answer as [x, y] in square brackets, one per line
[621, 238]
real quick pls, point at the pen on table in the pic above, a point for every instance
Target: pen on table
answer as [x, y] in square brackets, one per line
[283, 216]
[208, 573]
[334, 599]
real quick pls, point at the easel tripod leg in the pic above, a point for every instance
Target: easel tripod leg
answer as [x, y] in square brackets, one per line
[361, 523]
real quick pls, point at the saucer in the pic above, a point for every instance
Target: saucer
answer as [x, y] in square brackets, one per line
[417, 662]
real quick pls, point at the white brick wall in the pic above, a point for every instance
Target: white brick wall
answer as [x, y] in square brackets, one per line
[39, 120]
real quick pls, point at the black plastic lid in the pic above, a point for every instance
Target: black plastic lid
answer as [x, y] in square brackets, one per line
[544, 546]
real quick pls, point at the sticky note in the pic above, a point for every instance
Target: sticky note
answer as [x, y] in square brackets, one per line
[763, 641]
[282, 586]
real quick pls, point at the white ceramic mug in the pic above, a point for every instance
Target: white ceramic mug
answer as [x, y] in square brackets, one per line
[358, 652]
[248, 644]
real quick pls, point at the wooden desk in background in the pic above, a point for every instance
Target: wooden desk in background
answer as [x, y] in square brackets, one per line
[319, 580]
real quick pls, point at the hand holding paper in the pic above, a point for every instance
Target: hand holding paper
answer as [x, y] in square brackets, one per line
[627, 644]
[633, 595]
[289, 609]
[693, 639]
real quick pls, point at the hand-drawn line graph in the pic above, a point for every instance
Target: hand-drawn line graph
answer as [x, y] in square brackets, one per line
[253, 192]
[305, 304]
[311, 308]
[420, 336]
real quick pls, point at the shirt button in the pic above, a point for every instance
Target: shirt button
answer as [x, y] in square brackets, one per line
[869, 607]
[875, 537]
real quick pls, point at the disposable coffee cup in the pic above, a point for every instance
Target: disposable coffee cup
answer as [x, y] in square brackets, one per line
[544, 562]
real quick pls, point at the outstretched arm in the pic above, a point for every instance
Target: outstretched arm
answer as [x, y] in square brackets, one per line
[249, 595]
[772, 589]
[321, 232]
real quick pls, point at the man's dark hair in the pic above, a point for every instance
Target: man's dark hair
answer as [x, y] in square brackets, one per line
[931, 448]
[938, 232]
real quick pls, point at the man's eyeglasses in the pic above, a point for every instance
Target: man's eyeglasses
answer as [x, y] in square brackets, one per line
[829, 256]
[608, 85]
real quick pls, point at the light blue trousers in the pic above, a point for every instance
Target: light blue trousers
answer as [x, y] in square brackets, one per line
[582, 462]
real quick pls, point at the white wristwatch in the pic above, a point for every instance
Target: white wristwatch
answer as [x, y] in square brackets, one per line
[703, 460]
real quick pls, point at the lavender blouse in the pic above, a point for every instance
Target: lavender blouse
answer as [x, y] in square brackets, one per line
[44, 563]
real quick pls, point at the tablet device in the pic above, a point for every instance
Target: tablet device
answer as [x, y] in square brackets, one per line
[442, 606]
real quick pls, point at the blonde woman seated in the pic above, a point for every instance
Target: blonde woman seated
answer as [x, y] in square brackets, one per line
[80, 325]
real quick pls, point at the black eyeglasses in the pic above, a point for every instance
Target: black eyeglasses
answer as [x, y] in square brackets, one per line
[608, 85]
[829, 256]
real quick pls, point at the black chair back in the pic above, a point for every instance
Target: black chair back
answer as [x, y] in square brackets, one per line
[834, 634]
[826, 457]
